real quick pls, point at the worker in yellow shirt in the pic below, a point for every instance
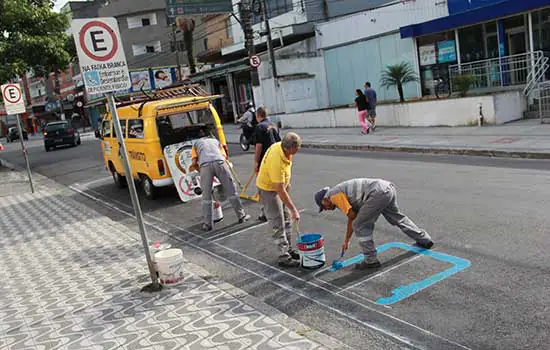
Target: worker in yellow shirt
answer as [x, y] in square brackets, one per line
[362, 201]
[209, 157]
[273, 183]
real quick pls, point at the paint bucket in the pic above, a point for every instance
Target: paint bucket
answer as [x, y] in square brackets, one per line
[170, 266]
[154, 249]
[312, 250]
[217, 214]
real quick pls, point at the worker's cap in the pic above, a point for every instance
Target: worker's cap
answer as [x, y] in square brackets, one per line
[319, 197]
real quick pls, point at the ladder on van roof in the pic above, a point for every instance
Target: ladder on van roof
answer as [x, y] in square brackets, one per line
[191, 90]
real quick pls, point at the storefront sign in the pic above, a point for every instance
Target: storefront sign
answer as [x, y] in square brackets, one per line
[446, 51]
[427, 55]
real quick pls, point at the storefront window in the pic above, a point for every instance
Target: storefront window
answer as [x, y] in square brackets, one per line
[435, 54]
[471, 43]
[541, 30]
[491, 40]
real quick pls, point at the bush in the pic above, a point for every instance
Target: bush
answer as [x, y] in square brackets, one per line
[462, 84]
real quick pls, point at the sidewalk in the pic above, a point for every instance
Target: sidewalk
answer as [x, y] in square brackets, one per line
[71, 279]
[524, 139]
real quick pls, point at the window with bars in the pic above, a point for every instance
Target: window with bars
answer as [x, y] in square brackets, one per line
[274, 8]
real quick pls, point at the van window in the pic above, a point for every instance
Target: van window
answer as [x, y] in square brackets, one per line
[185, 126]
[135, 129]
[106, 128]
[123, 127]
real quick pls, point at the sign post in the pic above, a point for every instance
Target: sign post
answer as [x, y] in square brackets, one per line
[103, 63]
[14, 103]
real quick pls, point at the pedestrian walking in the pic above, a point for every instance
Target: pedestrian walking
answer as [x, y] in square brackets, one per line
[371, 97]
[362, 105]
[265, 135]
[362, 201]
[273, 183]
[210, 157]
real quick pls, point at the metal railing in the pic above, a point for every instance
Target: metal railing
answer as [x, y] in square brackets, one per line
[536, 75]
[542, 93]
[503, 71]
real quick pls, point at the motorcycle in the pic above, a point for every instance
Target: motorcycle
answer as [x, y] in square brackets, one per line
[244, 141]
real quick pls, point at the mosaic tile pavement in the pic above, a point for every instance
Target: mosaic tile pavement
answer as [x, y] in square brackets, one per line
[71, 279]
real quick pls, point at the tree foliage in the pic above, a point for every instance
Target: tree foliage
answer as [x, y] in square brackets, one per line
[398, 75]
[33, 38]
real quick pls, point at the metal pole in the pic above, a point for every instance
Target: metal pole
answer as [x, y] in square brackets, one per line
[25, 154]
[133, 193]
[269, 46]
[178, 63]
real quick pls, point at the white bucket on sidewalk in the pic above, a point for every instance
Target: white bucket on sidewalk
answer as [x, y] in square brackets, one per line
[170, 266]
[154, 249]
[217, 215]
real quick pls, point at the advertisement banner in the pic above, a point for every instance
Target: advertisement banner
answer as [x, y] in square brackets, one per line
[427, 55]
[188, 183]
[446, 51]
[163, 77]
[140, 80]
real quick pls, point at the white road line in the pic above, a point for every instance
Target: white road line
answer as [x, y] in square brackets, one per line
[389, 333]
[380, 273]
[87, 184]
[221, 236]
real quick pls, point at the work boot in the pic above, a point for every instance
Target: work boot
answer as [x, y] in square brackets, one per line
[244, 218]
[425, 244]
[294, 254]
[206, 227]
[364, 265]
[289, 262]
[262, 218]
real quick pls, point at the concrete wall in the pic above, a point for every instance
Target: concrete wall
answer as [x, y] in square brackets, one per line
[497, 109]
[302, 80]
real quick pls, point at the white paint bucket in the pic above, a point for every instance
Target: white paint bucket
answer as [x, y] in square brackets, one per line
[170, 266]
[217, 214]
[154, 249]
[312, 250]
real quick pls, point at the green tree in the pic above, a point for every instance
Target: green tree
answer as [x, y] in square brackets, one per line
[33, 38]
[398, 75]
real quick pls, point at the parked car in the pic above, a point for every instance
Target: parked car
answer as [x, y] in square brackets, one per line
[13, 134]
[60, 134]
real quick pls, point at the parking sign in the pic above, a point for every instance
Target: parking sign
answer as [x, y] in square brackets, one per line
[101, 55]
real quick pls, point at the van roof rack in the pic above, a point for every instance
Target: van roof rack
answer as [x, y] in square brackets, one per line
[192, 90]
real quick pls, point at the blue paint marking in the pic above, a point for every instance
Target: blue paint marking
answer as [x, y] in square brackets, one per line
[403, 292]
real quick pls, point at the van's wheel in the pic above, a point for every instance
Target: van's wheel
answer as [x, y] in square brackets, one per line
[120, 181]
[244, 143]
[148, 188]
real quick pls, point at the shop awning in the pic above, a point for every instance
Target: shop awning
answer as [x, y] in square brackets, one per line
[483, 14]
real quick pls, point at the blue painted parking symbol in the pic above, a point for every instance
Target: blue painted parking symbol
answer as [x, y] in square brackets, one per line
[403, 292]
[92, 78]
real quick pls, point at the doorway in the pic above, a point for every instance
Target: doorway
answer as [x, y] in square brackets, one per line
[518, 65]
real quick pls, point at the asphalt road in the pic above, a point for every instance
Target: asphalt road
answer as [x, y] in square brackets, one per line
[484, 286]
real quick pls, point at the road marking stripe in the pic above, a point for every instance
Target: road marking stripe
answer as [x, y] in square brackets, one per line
[296, 291]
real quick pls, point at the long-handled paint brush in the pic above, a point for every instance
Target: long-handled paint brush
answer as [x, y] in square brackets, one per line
[337, 264]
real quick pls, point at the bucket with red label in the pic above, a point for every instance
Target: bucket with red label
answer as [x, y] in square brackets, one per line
[312, 250]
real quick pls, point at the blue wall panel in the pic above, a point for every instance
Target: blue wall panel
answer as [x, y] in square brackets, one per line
[458, 6]
[349, 67]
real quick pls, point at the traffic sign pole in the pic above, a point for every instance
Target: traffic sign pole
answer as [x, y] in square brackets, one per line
[25, 153]
[133, 192]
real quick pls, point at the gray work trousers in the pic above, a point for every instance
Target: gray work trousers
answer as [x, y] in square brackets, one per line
[278, 217]
[219, 169]
[383, 201]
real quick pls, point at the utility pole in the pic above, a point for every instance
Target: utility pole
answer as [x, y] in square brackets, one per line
[269, 46]
[57, 91]
[177, 47]
[245, 14]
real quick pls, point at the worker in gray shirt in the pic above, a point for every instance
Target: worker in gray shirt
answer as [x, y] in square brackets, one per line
[210, 157]
[362, 201]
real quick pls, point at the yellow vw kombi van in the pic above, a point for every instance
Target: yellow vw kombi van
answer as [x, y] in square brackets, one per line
[152, 122]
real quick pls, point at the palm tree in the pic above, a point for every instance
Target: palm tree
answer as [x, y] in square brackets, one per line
[398, 75]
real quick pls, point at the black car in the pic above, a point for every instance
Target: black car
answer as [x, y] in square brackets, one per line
[60, 134]
[13, 134]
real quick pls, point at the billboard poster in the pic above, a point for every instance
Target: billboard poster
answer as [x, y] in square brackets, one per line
[446, 51]
[427, 55]
[140, 80]
[163, 77]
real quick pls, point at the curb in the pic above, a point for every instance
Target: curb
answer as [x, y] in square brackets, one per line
[429, 150]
